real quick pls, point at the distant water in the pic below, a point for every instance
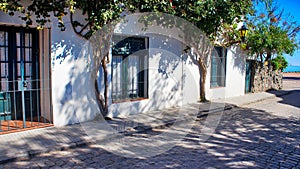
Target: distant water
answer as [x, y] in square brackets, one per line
[292, 69]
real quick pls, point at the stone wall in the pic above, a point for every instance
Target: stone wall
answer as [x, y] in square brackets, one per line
[265, 78]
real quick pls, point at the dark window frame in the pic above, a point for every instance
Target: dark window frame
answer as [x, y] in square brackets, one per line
[13, 33]
[126, 48]
[218, 68]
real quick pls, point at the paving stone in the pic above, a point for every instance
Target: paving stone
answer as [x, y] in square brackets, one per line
[292, 162]
[283, 167]
[50, 163]
[272, 166]
[59, 163]
[286, 165]
[56, 167]
[279, 158]
[244, 138]
[293, 157]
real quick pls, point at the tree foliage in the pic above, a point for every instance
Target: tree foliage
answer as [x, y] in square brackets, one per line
[279, 63]
[40, 9]
[272, 32]
[210, 15]
[216, 18]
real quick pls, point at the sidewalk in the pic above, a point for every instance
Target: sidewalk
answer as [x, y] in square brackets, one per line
[23, 145]
[256, 97]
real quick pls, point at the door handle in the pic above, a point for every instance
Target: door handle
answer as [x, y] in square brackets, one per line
[25, 84]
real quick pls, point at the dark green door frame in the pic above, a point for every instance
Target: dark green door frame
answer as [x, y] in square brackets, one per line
[21, 57]
[248, 78]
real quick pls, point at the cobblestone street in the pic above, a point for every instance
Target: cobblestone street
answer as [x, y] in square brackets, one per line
[260, 135]
[245, 137]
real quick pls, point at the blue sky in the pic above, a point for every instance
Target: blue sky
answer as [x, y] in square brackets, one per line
[292, 7]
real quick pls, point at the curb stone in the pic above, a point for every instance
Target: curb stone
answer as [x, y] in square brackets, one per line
[27, 155]
[281, 93]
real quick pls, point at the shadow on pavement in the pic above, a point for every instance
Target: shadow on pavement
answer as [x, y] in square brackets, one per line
[291, 78]
[244, 138]
[289, 97]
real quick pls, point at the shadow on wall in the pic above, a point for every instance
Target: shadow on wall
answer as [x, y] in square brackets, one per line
[67, 96]
[239, 58]
[73, 69]
[70, 82]
[168, 69]
[63, 49]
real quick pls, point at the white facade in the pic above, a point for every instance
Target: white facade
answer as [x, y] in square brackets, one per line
[168, 83]
[173, 78]
[235, 76]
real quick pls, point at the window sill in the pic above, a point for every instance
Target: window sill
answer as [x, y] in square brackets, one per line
[129, 100]
[217, 87]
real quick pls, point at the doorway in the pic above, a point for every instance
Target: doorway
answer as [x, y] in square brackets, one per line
[248, 78]
[20, 79]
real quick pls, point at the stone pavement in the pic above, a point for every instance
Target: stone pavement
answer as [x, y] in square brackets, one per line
[26, 144]
[256, 97]
[245, 137]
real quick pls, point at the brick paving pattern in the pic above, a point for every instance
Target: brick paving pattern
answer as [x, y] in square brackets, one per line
[245, 138]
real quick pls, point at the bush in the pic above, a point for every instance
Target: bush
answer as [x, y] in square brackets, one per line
[279, 63]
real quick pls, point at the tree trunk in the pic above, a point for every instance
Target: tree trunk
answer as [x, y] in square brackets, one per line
[268, 58]
[105, 104]
[203, 73]
[101, 41]
[261, 58]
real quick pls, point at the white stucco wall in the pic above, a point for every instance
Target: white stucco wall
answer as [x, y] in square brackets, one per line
[74, 101]
[235, 72]
[172, 78]
[65, 50]
[235, 76]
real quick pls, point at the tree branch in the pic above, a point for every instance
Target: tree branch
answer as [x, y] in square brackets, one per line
[82, 27]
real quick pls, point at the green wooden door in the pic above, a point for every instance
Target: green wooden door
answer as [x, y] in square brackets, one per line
[248, 80]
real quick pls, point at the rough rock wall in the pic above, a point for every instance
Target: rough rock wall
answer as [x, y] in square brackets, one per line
[265, 78]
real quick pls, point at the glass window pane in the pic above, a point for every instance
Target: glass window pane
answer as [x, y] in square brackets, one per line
[28, 38]
[4, 84]
[18, 36]
[117, 71]
[28, 69]
[218, 68]
[28, 54]
[4, 70]
[18, 54]
[129, 71]
[3, 38]
[3, 53]
[19, 69]
[133, 68]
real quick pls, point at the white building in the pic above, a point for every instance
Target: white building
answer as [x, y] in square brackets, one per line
[48, 74]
